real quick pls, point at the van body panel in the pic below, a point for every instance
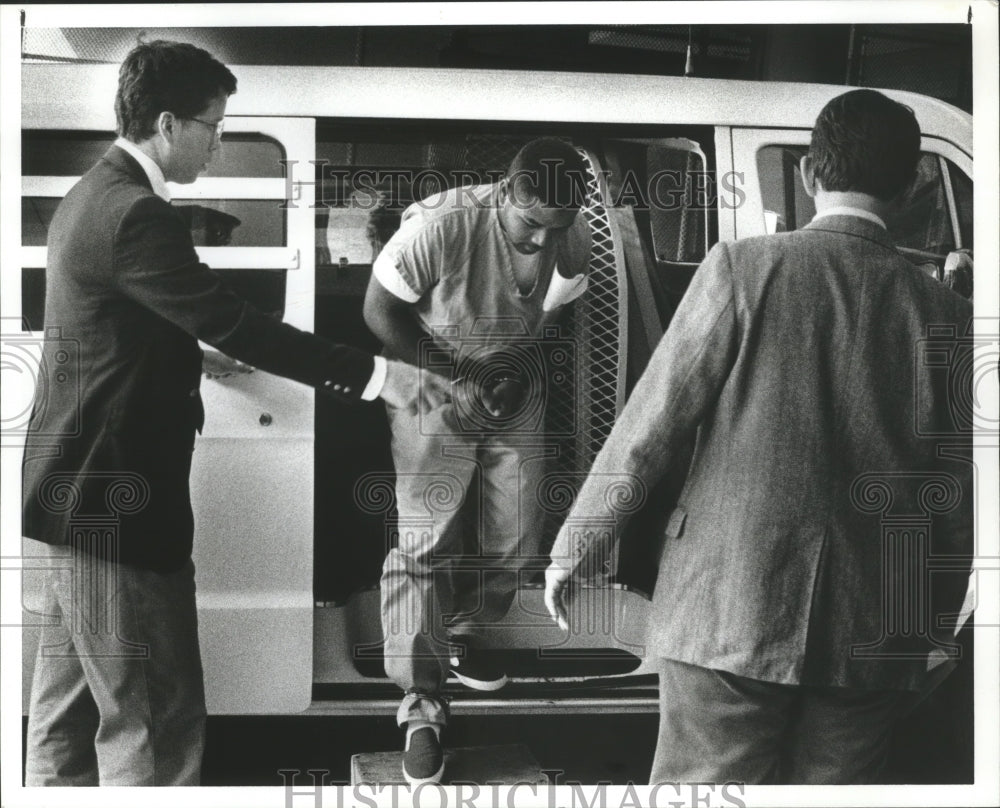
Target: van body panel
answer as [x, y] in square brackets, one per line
[430, 93]
[267, 644]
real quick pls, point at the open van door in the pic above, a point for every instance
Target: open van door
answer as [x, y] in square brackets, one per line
[252, 475]
[933, 219]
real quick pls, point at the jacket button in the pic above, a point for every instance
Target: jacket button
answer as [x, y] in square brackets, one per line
[347, 389]
[336, 387]
[327, 383]
[194, 393]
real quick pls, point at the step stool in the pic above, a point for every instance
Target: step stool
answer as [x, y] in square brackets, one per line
[499, 765]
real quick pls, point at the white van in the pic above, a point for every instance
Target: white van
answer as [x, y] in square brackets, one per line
[292, 493]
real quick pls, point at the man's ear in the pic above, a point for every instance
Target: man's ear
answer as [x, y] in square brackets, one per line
[166, 125]
[808, 172]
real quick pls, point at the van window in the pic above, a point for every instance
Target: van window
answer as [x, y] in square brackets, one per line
[61, 153]
[668, 187]
[786, 204]
[681, 199]
[213, 222]
[70, 153]
[921, 219]
[366, 185]
[235, 222]
[218, 222]
[920, 222]
[51, 161]
[962, 188]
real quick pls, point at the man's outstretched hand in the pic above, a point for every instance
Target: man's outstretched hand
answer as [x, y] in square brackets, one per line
[216, 365]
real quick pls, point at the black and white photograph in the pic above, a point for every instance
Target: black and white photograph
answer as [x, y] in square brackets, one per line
[559, 404]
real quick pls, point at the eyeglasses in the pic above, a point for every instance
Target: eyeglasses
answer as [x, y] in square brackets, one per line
[218, 126]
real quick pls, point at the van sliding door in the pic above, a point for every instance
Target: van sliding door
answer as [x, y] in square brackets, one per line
[252, 476]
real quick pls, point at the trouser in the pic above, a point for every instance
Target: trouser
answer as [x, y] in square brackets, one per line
[716, 727]
[469, 523]
[117, 697]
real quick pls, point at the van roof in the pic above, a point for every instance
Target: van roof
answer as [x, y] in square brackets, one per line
[54, 92]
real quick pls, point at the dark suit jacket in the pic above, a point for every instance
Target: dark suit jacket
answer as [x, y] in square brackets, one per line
[117, 403]
[829, 464]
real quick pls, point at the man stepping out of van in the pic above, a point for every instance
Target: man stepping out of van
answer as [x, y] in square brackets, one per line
[467, 285]
[121, 700]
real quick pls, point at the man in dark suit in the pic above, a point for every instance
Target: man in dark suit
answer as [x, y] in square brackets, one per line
[117, 696]
[792, 612]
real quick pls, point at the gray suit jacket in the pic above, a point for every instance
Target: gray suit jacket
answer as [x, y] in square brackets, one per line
[832, 463]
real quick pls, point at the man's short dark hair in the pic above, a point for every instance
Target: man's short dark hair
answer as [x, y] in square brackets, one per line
[164, 76]
[551, 171]
[864, 141]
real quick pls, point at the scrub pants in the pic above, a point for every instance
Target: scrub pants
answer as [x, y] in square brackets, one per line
[469, 523]
[716, 727]
[117, 697]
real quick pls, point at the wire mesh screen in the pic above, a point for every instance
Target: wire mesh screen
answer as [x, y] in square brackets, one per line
[489, 155]
[597, 330]
[584, 404]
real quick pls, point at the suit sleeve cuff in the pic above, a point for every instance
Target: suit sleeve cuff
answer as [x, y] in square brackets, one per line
[377, 380]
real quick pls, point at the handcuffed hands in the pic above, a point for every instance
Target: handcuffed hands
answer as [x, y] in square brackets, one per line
[490, 385]
[411, 388]
[504, 397]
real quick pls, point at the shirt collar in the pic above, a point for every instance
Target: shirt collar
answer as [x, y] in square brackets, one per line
[846, 210]
[149, 165]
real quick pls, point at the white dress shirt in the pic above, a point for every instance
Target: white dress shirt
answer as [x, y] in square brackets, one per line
[847, 210]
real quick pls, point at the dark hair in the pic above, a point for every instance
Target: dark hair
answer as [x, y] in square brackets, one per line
[551, 171]
[864, 141]
[166, 76]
